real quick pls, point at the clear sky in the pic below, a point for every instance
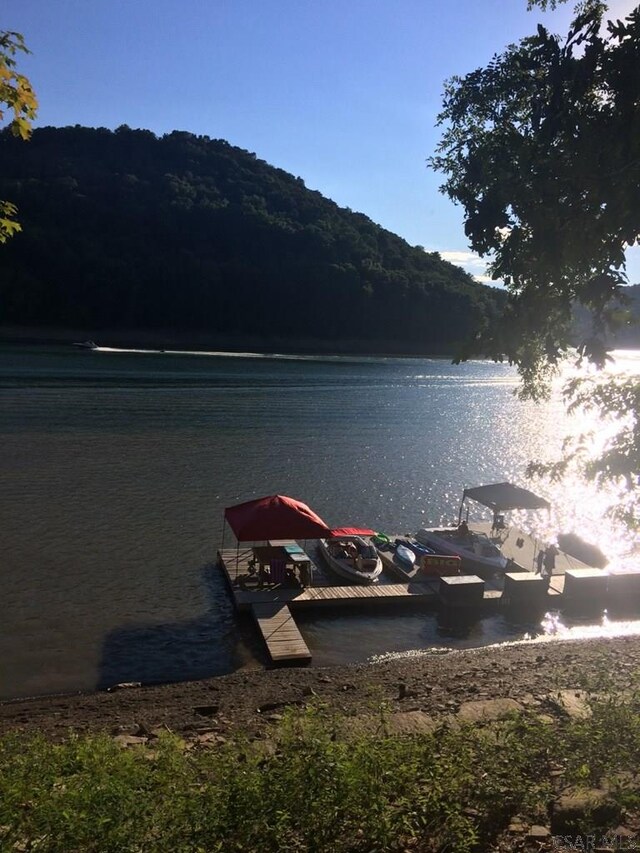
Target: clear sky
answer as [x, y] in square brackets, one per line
[343, 93]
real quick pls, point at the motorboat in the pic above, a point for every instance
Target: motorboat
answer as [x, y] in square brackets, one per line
[354, 558]
[575, 546]
[480, 551]
[85, 345]
[476, 551]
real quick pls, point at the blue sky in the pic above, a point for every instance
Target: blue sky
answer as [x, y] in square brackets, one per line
[343, 93]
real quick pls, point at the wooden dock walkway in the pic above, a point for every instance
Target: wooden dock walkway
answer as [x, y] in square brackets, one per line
[235, 567]
[327, 595]
[280, 632]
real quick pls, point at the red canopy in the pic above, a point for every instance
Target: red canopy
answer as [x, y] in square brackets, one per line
[274, 517]
[352, 531]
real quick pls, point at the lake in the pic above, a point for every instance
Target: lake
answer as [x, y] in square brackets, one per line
[116, 468]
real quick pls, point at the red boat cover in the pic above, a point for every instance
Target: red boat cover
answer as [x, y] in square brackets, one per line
[274, 517]
[351, 531]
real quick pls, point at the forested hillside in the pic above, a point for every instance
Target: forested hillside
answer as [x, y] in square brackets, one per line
[629, 334]
[626, 334]
[126, 231]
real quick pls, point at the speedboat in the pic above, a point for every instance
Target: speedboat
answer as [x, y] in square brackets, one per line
[477, 552]
[86, 345]
[353, 558]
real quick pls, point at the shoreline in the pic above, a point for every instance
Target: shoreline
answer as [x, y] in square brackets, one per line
[206, 343]
[250, 700]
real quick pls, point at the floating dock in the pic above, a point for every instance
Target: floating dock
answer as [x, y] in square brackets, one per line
[272, 607]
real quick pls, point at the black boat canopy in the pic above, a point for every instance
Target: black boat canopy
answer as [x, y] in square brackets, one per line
[501, 497]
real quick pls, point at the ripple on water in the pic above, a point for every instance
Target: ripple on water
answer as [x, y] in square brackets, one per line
[117, 467]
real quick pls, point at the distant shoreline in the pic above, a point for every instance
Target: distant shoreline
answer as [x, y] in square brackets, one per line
[169, 341]
[195, 343]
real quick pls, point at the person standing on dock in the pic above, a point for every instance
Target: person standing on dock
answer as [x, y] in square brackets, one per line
[463, 530]
[540, 561]
[550, 560]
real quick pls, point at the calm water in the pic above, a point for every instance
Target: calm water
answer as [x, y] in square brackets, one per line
[116, 468]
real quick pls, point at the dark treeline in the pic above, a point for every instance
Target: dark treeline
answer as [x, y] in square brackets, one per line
[126, 231]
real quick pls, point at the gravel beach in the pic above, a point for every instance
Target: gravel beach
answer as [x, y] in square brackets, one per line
[250, 700]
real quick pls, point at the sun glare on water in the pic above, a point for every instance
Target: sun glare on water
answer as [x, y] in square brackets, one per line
[581, 507]
[552, 625]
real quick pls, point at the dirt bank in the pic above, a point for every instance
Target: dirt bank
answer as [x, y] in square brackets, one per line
[435, 684]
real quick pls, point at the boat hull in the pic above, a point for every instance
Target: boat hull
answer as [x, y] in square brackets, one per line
[402, 570]
[346, 569]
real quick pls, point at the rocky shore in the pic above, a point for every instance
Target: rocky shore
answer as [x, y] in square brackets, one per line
[529, 674]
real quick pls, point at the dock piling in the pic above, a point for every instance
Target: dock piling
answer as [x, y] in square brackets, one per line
[461, 591]
[524, 588]
[585, 586]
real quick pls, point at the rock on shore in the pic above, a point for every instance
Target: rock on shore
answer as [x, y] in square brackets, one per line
[528, 673]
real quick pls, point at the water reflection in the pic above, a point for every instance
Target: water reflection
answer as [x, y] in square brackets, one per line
[558, 625]
[468, 631]
[581, 507]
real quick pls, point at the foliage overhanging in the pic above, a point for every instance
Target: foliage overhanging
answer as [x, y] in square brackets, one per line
[542, 150]
[16, 95]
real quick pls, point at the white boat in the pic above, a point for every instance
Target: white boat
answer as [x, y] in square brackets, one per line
[353, 558]
[478, 553]
[85, 344]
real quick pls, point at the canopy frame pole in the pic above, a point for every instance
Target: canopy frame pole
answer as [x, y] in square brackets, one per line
[310, 578]
[464, 494]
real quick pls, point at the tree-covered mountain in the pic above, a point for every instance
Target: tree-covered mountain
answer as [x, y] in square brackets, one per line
[125, 231]
[628, 336]
[625, 330]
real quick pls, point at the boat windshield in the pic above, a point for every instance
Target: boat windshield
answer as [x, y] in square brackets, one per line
[484, 546]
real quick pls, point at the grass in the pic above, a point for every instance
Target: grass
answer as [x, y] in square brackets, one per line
[313, 787]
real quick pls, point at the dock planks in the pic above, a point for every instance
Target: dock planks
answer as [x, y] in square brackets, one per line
[281, 634]
[235, 566]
